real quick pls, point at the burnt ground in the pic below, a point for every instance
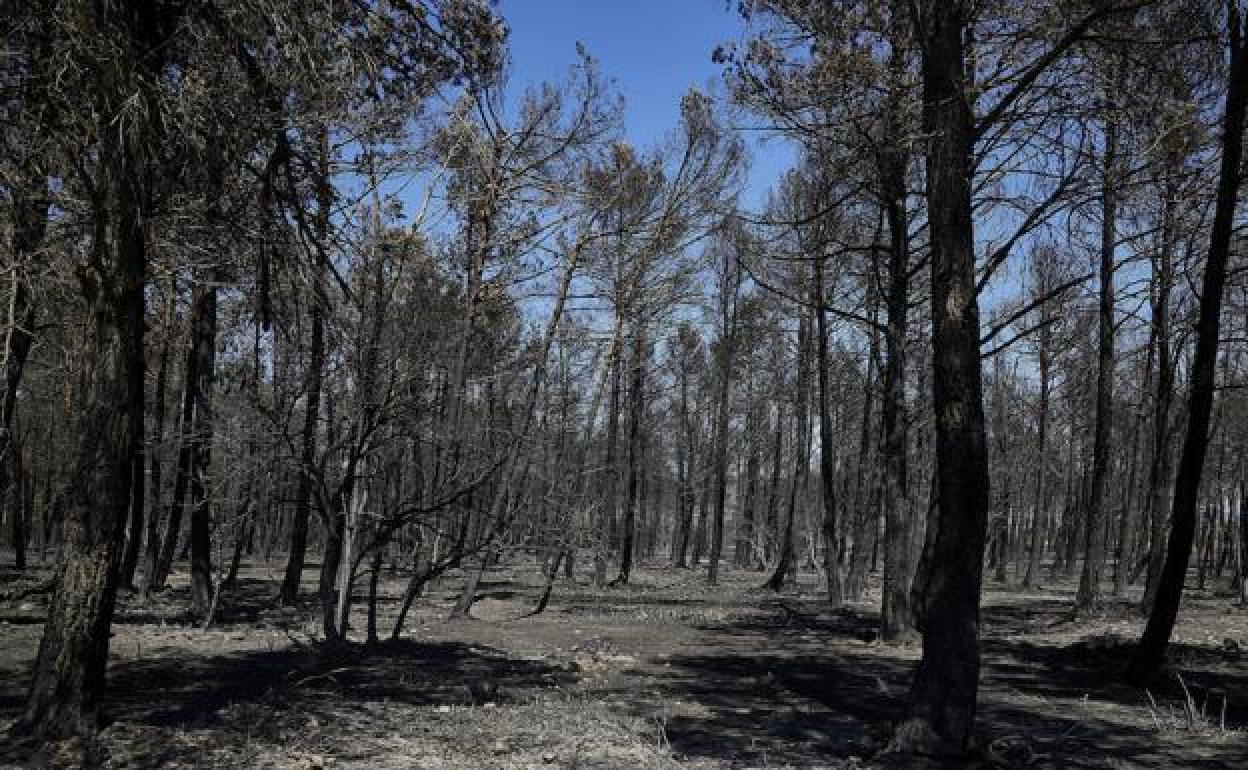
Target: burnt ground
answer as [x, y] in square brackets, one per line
[665, 673]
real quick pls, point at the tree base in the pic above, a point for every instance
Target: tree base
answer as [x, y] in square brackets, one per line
[915, 744]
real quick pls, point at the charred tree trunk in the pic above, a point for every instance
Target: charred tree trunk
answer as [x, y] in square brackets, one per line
[827, 451]
[786, 555]
[68, 674]
[30, 215]
[945, 689]
[635, 459]
[771, 535]
[158, 574]
[747, 532]
[1151, 650]
[896, 615]
[203, 348]
[318, 302]
[1160, 470]
[680, 542]
[607, 516]
[1097, 520]
[1042, 470]
[719, 442]
[158, 439]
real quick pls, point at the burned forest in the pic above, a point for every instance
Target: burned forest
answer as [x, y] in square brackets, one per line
[698, 385]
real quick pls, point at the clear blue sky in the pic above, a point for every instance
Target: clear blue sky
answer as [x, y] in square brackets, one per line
[653, 50]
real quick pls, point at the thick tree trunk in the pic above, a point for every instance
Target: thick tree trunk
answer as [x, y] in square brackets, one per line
[945, 689]
[1151, 650]
[68, 674]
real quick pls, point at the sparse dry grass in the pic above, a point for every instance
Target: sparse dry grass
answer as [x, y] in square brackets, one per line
[665, 674]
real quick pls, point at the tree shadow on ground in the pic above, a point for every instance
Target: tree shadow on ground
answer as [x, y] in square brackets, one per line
[252, 700]
[192, 693]
[798, 682]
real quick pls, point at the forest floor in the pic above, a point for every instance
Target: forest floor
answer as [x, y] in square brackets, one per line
[664, 673]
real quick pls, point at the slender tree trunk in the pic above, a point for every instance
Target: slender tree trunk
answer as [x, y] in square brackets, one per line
[317, 306]
[827, 449]
[203, 348]
[17, 345]
[680, 543]
[635, 459]
[747, 532]
[897, 620]
[1097, 520]
[331, 561]
[1160, 472]
[786, 556]
[704, 505]
[730, 285]
[771, 535]
[606, 530]
[244, 531]
[865, 486]
[158, 439]
[158, 575]
[1042, 471]
[720, 444]
[1151, 650]
[1126, 520]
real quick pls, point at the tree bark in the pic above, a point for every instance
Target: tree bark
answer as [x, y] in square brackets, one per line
[318, 303]
[68, 675]
[685, 462]
[1160, 471]
[1151, 650]
[719, 441]
[203, 348]
[786, 556]
[827, 450]
[158, 439]
[1042, 470]
[944, 693]
[30, 211]
[1097, 520]
[896, 614]
[635, 460]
